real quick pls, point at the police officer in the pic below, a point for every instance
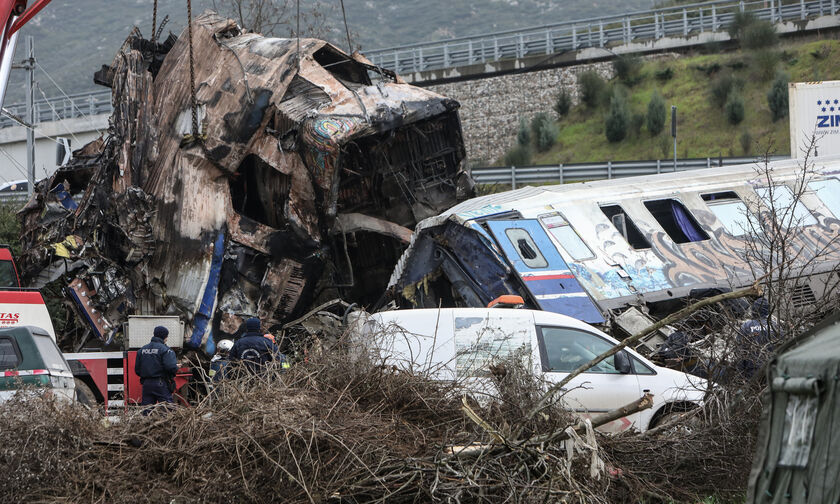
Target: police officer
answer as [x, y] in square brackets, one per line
[156, 366]
[253, 348]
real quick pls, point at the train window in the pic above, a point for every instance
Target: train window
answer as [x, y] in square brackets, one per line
[779, 199]
[732, 213]
[625, 225]
[568, 238]
[526, 248]
[828, 191]
[676, 220]
[718, 196]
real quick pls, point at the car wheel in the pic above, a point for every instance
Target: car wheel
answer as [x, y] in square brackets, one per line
[84, 395]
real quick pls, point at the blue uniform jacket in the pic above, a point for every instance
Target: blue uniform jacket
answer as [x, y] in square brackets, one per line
[255, 348]
[156, 360]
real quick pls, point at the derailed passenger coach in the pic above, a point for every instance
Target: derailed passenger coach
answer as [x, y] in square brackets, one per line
[623, 252]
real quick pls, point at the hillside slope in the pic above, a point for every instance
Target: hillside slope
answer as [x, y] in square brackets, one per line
[74, 37]
[703, 127]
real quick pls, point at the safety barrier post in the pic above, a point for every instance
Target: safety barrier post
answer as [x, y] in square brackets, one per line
[496, 47]
[658, 166]
[574, 37]
[708, 162]
[513, 177]
[685, 23]
[446, 55]
[601, 33]
[773, 11]
[714, 19]
[560, 171]
[548, 48]
[701, 19]
[802, 9]
[470, 57]
[609, 170]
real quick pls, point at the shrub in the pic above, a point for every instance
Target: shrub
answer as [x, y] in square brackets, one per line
[740, 21]
[777, 97]
[537, 123]
[591, 87]
[722, 86]
[547, 136]
[617, 118]
[656, 114]
[637, 120]
[627, 68]
[519, 155]
[664, 74]
[563, 103]
[734, 108]
[765, 62]
[746, 143]
[759, 35]
[523, 136]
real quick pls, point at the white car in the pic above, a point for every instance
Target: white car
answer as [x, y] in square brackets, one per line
[460, 344]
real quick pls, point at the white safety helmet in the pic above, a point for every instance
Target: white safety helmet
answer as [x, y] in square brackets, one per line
[225, 345]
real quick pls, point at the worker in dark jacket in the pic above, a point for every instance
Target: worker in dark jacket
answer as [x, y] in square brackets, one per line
[156, 366]
[253, 349]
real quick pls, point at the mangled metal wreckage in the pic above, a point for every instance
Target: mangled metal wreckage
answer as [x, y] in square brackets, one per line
[625, 253]
[313, 166]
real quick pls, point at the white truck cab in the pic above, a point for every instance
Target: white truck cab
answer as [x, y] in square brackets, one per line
[461, 343]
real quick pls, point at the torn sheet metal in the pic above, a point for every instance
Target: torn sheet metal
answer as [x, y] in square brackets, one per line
[306, 170]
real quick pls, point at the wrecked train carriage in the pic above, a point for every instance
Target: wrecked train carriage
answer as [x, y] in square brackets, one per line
[309, 169]
[625, 252]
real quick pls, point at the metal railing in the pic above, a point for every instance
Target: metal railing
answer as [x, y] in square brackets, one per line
[680, 21]
[579, 172]
[53, 109]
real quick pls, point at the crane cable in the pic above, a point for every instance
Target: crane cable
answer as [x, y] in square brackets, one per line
[346, 29]
[154, 22]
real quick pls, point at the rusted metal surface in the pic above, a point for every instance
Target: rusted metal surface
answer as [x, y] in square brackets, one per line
[245, 221]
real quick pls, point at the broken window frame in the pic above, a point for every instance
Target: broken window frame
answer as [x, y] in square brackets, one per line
[561, 240]
[540, 257]
[801, 217]
[829, 197]
[734, 201]
[625, 229]
[681, 237]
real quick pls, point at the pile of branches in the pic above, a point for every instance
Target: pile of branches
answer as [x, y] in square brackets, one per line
[335, 428]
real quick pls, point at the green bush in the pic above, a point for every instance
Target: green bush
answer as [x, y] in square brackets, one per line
[520, 155]
[777, 97]
[734, 108]
[765, 63]
[618, 117]
[759, 35]
[664, 74]
[628, 69]
[740, 22]
[563, 103]
[547, 136]
[537, 123]
[656, 114]
[523, 136]
[722, 86]
[591, 87]
[746, 143]
[637, 120]
[664, 142]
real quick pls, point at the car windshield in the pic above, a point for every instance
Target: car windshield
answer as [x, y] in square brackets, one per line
[50, 353]
[7, 274]
[566, 349]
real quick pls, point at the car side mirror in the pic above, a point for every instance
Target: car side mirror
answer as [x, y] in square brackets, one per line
[621, 361]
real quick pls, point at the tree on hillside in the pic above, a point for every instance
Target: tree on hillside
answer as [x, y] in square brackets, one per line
[777, 97]
[617, 118]
[656, 114]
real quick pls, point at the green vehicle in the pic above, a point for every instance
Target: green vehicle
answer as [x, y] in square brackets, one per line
[30, 360]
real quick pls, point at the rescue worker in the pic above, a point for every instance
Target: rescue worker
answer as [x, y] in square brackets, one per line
[156, 366]
[253, 349]
[220, 360]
